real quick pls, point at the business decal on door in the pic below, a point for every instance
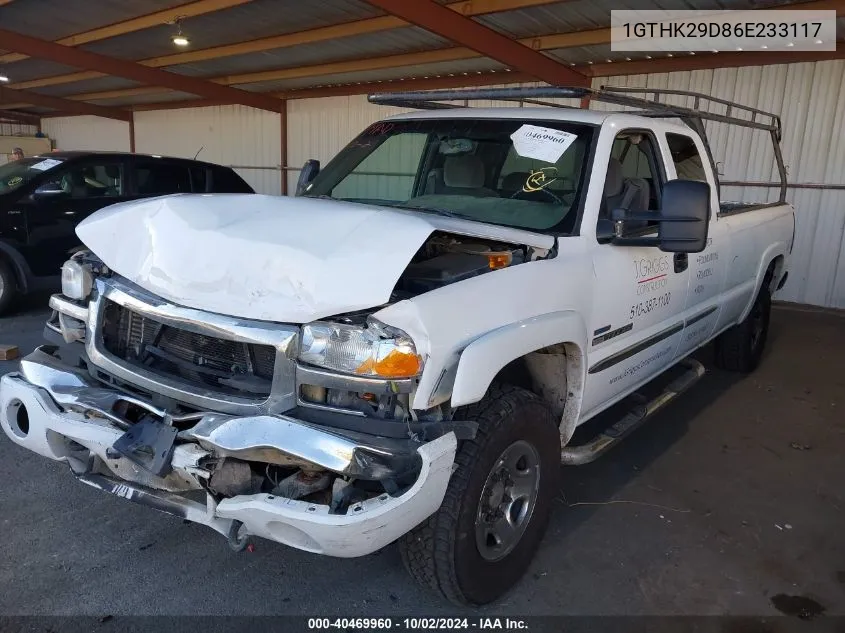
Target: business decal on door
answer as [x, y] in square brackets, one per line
[703, 273]
[651, 274]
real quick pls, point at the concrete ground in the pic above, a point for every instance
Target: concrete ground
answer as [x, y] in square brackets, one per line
[728, 502]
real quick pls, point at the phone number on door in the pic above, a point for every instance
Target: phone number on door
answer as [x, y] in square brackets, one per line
[644, 307]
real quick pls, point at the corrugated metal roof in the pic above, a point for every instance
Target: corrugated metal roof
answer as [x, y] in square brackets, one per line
[89, 85]
[391, 42]
[467, 66]
[581, 15]
[256, 19]
[48, 19]
[32, 68]
[584, 54]
[262, 18]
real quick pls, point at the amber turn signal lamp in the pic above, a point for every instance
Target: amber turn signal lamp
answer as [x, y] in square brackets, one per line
[499, 260]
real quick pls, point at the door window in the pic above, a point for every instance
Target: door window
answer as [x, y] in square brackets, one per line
[159, 178]
[685, 155]
[102, 180]
[634, 180]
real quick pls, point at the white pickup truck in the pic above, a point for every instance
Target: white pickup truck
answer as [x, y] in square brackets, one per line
[405, 348]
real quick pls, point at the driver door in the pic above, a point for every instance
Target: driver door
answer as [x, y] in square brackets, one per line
[640, 291]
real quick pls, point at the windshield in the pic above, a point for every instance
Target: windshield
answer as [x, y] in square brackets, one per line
[17, 173]
[523, 174]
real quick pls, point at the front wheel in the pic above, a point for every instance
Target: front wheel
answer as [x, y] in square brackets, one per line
[483, 537]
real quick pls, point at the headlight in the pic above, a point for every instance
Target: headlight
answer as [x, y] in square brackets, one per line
[375, 350]
[77, 280]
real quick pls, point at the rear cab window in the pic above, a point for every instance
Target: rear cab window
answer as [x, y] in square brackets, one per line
[685, 156]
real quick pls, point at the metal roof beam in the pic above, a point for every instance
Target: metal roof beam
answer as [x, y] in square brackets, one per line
[8, 95]
[704, 61]
[310, 36]
[130, 70]
[20, 117]
[432, 83]
[475, 36]
[191, 9]
[484, 79]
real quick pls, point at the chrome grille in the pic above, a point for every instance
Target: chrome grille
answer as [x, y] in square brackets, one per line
[225, 366]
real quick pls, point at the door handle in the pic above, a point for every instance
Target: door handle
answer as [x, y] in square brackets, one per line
[681, 262]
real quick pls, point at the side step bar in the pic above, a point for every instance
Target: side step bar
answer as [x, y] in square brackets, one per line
[607, 439]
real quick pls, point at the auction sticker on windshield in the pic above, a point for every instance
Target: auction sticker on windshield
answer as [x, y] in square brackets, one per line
[541, 143]
[46, 164]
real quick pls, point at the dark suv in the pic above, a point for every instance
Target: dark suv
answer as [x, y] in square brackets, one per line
[43, 198]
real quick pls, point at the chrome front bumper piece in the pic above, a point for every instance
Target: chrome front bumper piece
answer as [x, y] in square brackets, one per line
[64, 415]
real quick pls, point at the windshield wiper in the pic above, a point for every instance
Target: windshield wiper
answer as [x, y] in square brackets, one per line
[435, 210]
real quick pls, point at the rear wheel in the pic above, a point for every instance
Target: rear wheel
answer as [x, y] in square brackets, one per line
[741, 347]
[8, 287]
[483, 537]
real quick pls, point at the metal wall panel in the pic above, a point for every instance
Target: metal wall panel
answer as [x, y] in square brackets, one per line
[17, 129]
[320, 128]
[87, 133]
[244, 138]
[810, 99]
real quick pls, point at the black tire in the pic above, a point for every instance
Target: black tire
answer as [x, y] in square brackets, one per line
[443, 553]
[8, 287]
[741, 347]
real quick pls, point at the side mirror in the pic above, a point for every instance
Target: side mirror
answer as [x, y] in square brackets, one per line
[683, 221]
[309, 171]
[685, 217]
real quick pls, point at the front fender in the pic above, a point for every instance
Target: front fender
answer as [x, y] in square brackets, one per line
[482, 359]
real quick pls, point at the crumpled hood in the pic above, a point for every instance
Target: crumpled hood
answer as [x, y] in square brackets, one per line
[281, 259]
[259, 257]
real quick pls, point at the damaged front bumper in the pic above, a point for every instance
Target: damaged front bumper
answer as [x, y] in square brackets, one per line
[60, 413]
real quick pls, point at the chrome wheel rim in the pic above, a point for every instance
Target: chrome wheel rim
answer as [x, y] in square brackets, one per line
[507, 500]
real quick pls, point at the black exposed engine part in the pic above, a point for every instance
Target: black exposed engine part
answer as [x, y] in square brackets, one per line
[149, 444]
[302, 484]
[234, 477]
[443, 270]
